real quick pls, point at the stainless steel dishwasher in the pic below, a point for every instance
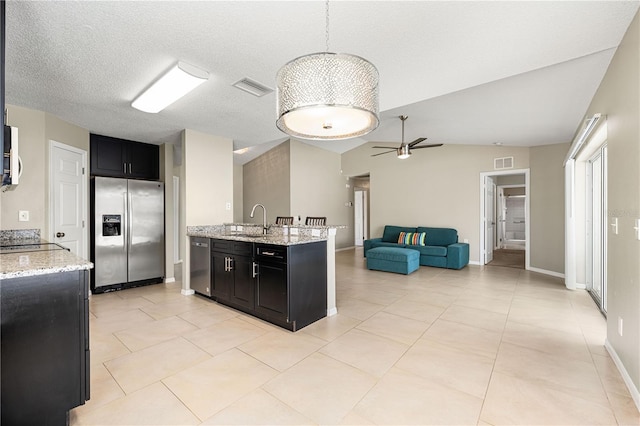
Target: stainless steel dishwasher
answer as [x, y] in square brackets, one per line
[200, 265]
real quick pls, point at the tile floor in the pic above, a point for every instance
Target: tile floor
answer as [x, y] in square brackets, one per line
[478, 346]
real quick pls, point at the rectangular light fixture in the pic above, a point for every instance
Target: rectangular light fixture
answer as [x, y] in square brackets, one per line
[177, 82]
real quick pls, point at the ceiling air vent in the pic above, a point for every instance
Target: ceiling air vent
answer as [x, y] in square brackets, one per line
[252, 86]
[503, 163]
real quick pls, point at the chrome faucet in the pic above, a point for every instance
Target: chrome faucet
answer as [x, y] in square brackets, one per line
[265, 228]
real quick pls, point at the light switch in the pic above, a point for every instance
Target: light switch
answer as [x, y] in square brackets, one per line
[23, 216]
[614, 225]
[637, 228]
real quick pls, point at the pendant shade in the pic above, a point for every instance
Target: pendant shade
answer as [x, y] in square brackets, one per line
[327, 96]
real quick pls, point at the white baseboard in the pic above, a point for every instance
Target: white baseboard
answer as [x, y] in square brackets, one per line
[475, 262]
[633, 390]
[346, 248]
[187, 292]
[580, 286]
[546, 272]
[332, 312]
[169, 280]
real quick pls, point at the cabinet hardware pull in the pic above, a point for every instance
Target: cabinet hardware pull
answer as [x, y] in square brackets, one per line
[230, 264]
[226, 264]
[255, 270]
[269, 253]
[129, 168]
[124, 168]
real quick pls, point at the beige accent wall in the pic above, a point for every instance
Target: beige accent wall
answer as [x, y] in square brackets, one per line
[237, 193]
[619, 98]
[547, 206]
[266, 180]
[436, 187]
[35, 130]
[318, 188]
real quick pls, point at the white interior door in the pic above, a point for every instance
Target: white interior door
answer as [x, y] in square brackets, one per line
[489, 218]
[597, 228]
[68, 198]
[359, 217]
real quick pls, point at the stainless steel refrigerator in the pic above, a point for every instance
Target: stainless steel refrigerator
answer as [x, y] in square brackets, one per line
[127, 231]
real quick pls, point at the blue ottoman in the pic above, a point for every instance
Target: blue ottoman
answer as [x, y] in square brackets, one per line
[393, 259]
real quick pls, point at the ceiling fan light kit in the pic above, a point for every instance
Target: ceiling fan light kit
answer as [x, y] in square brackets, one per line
[404, 150]
[327, 96]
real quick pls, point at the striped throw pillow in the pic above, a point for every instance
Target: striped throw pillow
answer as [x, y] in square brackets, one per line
[412, 238]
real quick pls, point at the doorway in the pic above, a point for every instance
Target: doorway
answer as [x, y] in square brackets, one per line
[597, 228]
[360, 209]
[68, 197]
[504, 218]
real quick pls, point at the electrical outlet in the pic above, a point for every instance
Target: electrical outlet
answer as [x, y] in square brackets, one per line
[315, 232]
[620, 324]
[228, 206]
[466, 240]
[637, 228]
[614, 225]
[293, 231]
[23, 215]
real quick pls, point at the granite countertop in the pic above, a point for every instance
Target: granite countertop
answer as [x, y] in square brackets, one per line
[281, 235]
[41, 257]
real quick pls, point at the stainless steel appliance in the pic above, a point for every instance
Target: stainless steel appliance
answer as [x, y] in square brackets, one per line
[127, 233]
[200, 266]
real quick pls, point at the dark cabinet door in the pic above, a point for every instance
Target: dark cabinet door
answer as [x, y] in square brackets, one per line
[221, 276]
[143, 161]
[243, 285]
[113, 157]
[272, 297]
[107, 156]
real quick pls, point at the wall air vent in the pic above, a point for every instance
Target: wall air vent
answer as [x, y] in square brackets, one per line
[503, 163]
[253, 87]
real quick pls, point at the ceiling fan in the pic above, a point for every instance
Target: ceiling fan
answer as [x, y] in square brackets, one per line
[404, 150]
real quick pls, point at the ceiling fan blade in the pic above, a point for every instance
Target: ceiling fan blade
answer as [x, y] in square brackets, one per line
[427, 146]
[375, 155]
[416, 142]
[384, 147]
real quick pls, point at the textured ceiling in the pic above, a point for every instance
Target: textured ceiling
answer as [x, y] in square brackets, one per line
[519, 73]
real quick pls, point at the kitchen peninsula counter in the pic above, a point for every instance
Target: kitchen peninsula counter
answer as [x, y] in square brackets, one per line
[37, 257]
[251, 233]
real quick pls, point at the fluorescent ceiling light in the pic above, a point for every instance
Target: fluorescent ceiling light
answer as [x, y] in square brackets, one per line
[177, 82]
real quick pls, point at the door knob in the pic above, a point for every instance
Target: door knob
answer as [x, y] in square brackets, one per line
[59, 234]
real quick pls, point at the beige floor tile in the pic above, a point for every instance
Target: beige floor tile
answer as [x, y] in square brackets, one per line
[355, 419]
[401, 398]
[105, 346]
[215, 384]
[321, 388]
[609, 375]
[153, 405]
[475, 299]
[465, 337]
[568, 345]
[357, 309]
[117, 321]
[368, 352]
[540, 316]
[517, 401]
[104, 389]
[567, 375]
[408, 308]
[110, 303]
[455, 368]
[224, 335]
[330, 328]
[432, 297]
[139, 369]
[480, 318]
[258, 408]
[394, 327]
[282, 349]
[174, 307]
[625, 410]
[209, 315]
[152, 333]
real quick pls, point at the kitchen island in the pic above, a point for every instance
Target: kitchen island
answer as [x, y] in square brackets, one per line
[286, 277]
[44, 316]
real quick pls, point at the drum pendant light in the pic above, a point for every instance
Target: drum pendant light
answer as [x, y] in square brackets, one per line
[327, 96]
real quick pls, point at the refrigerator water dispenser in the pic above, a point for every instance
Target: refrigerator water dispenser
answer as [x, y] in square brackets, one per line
[111, 225]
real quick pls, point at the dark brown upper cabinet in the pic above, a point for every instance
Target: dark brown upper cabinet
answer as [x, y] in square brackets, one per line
[115, 157]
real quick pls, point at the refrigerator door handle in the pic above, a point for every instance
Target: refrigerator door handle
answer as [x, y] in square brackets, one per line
[125, 219]
[129, 221]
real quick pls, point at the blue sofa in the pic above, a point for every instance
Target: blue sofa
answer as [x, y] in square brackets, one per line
[441, 248]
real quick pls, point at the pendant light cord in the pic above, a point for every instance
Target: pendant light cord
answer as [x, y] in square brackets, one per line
[326, 33]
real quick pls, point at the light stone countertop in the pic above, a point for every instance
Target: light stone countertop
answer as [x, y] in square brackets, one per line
[31, 263]
[282, 235]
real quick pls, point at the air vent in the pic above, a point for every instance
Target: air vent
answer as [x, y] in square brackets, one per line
[253, 87]
[503, 163]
